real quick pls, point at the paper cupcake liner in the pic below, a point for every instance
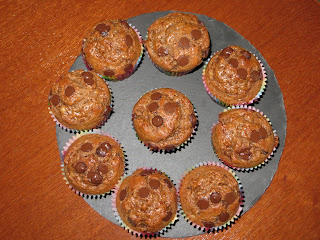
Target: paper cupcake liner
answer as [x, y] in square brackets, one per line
[224, 104]
[127, 74]
[130, 230]
[64, 151]
[178, 148]
[233, 219]
[267, 158]
[70, 130]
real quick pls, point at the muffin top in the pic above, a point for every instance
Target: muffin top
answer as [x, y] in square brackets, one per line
[243, 138]
[147, 200]
[80, 100]
[234, 75]
[93, 164]
[164, 118]
[178, 42]
[209, 196]
[112, 48]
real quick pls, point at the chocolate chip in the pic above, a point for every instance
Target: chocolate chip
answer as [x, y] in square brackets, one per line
[233, 62]
[170, 107]
[168, 182]
[128, 68]
[203, 204]
[167, 217]
[224, 216]
[143, 192]
[255, 136]
[245, 153]
[103, 168]
[169, 147]
[69, 91]
[193, 120]
[131, 222]
[103, 149]
[183, 60]
[246, 54]
[55, 99]
[242, 73]
[157, 121]
[208, 224]
[80, 167]
[215, 197]
[255, 75]
[162, 51]
[122, 194]
[108, 73]
[88, 78]
[156, 96]
[103, 29]
[184, 43]
[263, 133]
[128, 40]
[154, 183]
[96, 178]
[225, 53]
[230, 197]
[147, 172]
[196, 34]
[124, 23]
[86, 147]
[153, 106]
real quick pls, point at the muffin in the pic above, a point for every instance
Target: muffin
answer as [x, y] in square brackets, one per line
[94, 164]
[177, 43]
[164, 119]
[146, 201]
[113, 49]
[210, 197]
[234, 76]
[243, 138]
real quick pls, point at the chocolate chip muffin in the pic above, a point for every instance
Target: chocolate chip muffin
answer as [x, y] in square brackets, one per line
[243, 138]
[209, 196]
[147, 201]
[94, 163]
[177, 43]
[80, 100]
[113, 49]
[164, 119]
[234, 76]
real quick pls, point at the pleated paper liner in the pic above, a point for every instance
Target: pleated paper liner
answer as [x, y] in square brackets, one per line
[67, 129]
[153, 148]
[64, 151]
[228, 223]
[268, 158]
[127, 74]
[224, 104]
[142, 234]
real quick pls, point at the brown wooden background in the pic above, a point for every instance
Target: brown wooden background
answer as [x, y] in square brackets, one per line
[39, 42]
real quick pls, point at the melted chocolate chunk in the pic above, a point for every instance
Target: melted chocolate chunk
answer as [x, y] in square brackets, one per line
[242, 73]
[69, 91]
[147, 172]
[208, 224]
[124, 23]
[157, 121]
[86, 147]
[103, 149]
[88, 78]
[156, 96]
[168, 182]
[224, 216]
[225, 53]
[55, 99]
[193, 120]
[103, 29]
[184, 43]
[215, 197]
[80, 167]
[128, 68]
[95, 178]
[129, 40]
[154, 183]
[183, 60]
[153, 106]
[143, 192]
[233, 62]
[169, 147]
[203, 204]
[122, 194]
[245, 153]
[254, 136]
[230, 197]
[246, 54]
[162, 51]
[255, 75]
[108, 111]
[167, 217]
[131, 222]
[103, 168]
[196, 34]
[263, 133]
[108, 73]
[170, 107]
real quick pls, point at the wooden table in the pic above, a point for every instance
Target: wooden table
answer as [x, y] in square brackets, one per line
[39, 42]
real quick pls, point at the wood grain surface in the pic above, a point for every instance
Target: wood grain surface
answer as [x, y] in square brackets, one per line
[39, 42]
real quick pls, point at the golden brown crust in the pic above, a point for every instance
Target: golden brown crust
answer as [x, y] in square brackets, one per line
[176, 35]
[104, 164]
[243, 138]
[209, 196]
[234, 75]
[112, 46]
[174, 110]
[147, 201]
[80, 105]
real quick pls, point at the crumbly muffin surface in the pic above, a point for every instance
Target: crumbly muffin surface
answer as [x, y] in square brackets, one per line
[243, 138]
[209, 196]
[147, 201]
[80, 100]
